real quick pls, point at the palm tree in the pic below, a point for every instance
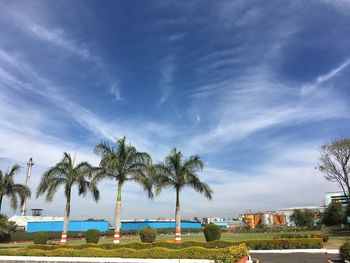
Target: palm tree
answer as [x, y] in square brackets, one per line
[177, 173]
[122, 163]
[67, 174]
[11, 190]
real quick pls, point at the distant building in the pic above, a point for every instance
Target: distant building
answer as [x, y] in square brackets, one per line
[139, 224]
[287, 212]
[77, 226]
[229, 223]
[214, 219]
[22, 221]
[335, 197]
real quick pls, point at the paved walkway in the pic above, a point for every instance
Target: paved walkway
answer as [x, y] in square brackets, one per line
[296, 258]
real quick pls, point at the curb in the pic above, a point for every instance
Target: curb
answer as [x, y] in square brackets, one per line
[287, 251]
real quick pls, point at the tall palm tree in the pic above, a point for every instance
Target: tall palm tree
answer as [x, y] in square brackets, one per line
[177, 173]
[67, 174]
[9, 188]
[122, 162]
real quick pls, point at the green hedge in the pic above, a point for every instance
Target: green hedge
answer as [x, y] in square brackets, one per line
[324, 237]
[273, 229]
[24, 236]
[252, 244]
[236, 252]
[40, 238]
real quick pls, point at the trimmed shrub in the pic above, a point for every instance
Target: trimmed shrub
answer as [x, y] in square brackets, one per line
[212, 232]
[232, 254]
[40, 238]
[345, 251]
[218, 244]
[92, 236]
[191, 253]
[148, 235]
[324, 237]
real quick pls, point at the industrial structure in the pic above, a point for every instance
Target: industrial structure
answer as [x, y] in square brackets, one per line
[29, 173]
[139, 224]
[267, 219]
[229, 223]
[78, 226]
[336, 197]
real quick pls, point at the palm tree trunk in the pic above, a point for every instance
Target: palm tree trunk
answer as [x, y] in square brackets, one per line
[1, 201]
[65, 221]
[117, 217]
[177, 219]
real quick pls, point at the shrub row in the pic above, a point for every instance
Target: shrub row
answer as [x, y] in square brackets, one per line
[25, 236]
[273, 229]
[324, 237]
[236, 252]
[252, 244]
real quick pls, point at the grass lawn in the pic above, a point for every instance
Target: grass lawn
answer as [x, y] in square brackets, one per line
[335, 241]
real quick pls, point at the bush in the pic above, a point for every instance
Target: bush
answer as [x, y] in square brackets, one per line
[92, 236]
[218, 244]
[345, 251]
[5, 228]
[232, 254]
[25, 236]
[148, 235]
[212, 232]
[40, 238]
[324, 237]
[191, 252]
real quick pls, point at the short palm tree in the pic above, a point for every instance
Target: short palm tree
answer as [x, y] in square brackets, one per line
[177, 173]
[67, 174]
[122, 162]
[10, 189]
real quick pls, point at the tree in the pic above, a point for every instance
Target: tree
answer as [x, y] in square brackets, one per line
[67, 174]
[335, 165]
[177, 173]
[5, 228]
[123, 163]
[334, 215]
[10, 189]
[304, 217]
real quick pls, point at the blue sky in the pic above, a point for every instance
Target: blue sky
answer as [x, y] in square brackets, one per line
[254, 88]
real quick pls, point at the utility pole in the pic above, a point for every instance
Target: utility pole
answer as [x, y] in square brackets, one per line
[29, 173]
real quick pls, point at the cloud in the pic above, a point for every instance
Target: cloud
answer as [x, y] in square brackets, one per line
[320, 80]
[115, 91]
[166, 78]
[58, 37]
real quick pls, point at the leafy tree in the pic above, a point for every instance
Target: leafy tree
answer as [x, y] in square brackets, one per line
[304, 217]
[334, 163]
[5, 228]
[10, 189]
[123, 163]
[67, 174]
[177, 173]
[334, 214]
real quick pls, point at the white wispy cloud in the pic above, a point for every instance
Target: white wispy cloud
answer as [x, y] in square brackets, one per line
[166, 78]
[320, 80]
[58, 37]
[115, 91]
